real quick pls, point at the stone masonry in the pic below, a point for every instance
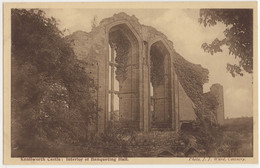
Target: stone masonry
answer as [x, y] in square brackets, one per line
[122, 48]
[217, 90]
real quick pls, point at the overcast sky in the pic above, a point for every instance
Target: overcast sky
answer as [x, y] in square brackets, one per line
[182, 28]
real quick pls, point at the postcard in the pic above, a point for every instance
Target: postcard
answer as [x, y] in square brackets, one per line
[130, 83]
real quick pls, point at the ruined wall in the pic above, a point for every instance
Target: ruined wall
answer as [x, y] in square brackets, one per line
[186, 106]
[217, 91]
[92, 49]
[126, 59]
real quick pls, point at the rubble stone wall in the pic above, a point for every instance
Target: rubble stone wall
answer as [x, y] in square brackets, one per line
[217, 90]
[93, 49]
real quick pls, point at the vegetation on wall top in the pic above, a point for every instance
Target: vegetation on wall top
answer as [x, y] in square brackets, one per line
[191, 76]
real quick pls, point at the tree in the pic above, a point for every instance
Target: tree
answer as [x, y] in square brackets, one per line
[238, 36]
[50, 88]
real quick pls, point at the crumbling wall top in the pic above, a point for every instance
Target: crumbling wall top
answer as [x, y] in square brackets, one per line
[147, 33]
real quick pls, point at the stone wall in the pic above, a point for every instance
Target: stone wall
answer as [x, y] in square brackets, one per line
[186, 106]
[217, 91]
[134, 93]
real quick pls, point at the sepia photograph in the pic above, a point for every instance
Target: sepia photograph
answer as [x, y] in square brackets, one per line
[104, 82]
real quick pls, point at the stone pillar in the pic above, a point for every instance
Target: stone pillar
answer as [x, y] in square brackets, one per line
[102, 100]
[146, 99]
[217, 90]
[172, 86]
[146, 88]
[176, 102]
[112, 84]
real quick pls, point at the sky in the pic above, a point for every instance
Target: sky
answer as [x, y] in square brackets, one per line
[181, 26]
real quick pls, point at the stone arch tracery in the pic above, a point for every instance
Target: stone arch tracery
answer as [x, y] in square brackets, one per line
[124, 67]
[160, 86]
[139, 43]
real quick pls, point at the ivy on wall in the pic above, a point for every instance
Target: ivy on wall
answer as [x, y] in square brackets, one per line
[122, 46]
[157, 67]
[191, 76]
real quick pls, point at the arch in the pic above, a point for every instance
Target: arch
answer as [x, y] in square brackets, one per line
[124, 65]
[163, 41]
[160, 85]
[129, 25]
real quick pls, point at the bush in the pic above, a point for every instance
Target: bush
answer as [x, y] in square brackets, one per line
[50, 88]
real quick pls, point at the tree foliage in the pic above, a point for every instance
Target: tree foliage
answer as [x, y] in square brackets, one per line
[238, 36]
[50, 88]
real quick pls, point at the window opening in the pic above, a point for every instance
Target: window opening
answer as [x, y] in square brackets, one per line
[113, 100]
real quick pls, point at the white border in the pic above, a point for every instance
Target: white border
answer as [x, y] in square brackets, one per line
[103, 166]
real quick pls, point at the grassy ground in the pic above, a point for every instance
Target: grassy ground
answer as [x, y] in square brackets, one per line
[238, 137]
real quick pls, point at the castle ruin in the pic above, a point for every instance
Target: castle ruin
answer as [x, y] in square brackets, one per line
[132, 66]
